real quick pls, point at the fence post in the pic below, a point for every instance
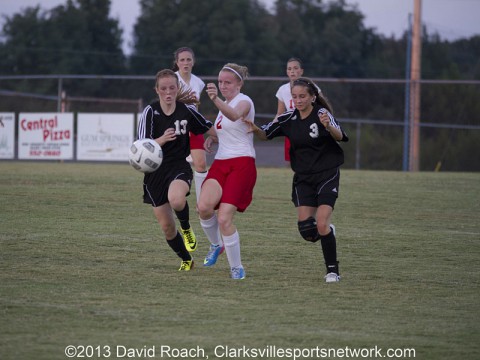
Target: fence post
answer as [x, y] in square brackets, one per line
[59, 94]
[406, 122]
[357, 146]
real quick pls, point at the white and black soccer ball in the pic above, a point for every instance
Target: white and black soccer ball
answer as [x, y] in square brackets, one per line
[145, 155]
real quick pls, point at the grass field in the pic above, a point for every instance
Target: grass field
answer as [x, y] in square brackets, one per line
[83, 263]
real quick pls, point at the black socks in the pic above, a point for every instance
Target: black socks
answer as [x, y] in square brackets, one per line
[183, 217]
[179, 248]
[329, 248]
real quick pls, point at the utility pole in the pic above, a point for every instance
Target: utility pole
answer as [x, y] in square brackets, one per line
[414, 163]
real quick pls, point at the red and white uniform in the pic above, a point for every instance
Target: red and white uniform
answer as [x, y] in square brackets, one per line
[197, 85]
[234, 164]
[234, 137]
[284, 94]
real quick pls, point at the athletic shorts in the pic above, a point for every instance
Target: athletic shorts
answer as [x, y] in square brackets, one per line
[237, 178]
[316, 189]
[156, 184]
[196, 142]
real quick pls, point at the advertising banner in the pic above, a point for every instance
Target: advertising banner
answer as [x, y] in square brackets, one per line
[7, 135]
[104, 137]
[45, 136]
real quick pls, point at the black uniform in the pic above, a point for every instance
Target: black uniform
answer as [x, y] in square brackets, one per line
[153, 124]
[315, 156]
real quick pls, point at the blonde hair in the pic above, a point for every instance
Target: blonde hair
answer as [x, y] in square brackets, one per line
[184, 95]
[239, 70]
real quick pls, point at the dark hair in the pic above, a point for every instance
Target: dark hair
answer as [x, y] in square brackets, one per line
[184, 95]
[313, 90]
[177, 52]
[297, 60]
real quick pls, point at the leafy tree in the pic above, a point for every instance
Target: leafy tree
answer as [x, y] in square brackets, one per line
[218, 31]
[75, 38]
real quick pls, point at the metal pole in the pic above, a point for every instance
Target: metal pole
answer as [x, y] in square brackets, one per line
[357, 148]
[59, 94]
[415, 89]
[406, 129]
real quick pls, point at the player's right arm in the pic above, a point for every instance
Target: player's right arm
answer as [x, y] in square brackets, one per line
[144, 128]
[259, 132]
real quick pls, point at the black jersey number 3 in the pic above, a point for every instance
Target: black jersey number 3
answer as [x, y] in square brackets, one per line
[314, 133]
[181, 127]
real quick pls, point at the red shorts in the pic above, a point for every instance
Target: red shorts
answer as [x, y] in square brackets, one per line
[237, 178]
[196, 142]
[287, 149]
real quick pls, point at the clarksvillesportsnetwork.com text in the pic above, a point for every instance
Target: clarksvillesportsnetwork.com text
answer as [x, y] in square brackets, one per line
[235, 352]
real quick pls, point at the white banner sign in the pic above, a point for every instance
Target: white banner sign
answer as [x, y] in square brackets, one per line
[7, 135]
[46, 136]
[104, 137]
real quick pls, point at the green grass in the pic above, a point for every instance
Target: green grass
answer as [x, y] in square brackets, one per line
[83, 262]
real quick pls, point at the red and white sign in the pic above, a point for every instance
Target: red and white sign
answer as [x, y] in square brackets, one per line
[46, 136]
[104, 137]
[7, 135]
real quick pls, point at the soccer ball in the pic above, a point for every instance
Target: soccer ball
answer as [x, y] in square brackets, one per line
[145, 155]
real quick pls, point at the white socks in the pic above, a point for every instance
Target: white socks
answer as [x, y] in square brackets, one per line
[232, 242]
[232, 248]
[211, 230]
[199, 179]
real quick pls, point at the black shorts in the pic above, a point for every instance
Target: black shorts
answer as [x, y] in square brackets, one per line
[316, 189]
[156, 184]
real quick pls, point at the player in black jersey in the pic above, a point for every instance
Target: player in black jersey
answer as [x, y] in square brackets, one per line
[168, 121]
[315, 157]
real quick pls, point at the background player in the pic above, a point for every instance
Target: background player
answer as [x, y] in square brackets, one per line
[184, 60]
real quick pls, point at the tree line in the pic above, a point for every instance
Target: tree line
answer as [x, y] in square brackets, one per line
[80, 37]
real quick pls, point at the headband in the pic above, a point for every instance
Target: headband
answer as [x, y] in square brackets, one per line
[234, 71]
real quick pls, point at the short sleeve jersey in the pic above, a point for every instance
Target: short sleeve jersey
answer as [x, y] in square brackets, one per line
[185, 118]
[234, 137]
[284, 94]
[196, 84]
[312, 149]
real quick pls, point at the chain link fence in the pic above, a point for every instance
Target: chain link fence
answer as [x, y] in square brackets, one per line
[371, 111]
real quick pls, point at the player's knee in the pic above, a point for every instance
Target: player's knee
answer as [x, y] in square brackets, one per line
[205, 211]
[308, 229]
[177, 202]
[225, 222]
[323, 227]
[200, 165]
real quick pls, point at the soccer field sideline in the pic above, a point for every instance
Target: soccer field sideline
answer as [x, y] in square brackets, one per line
[84, 263]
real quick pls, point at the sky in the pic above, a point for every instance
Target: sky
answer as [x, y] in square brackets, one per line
[452, 19]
